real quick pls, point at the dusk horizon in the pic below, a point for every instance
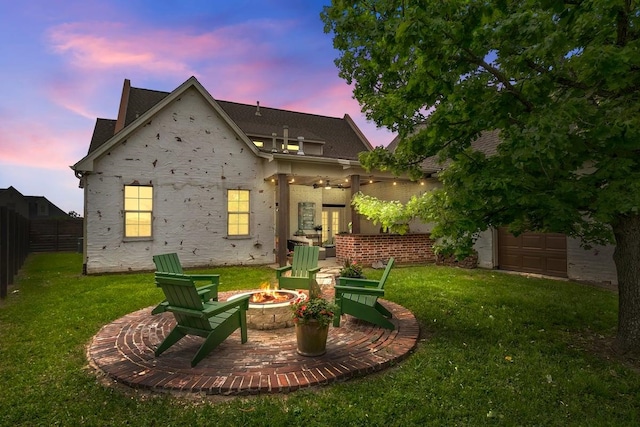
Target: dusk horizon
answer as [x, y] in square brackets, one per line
[65, 64]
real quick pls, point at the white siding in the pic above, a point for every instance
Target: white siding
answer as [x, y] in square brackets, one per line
[190, 157]
[593, 265]
[484, 245]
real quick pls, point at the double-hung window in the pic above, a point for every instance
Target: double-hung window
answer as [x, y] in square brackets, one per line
[238, 212]
[138, 210]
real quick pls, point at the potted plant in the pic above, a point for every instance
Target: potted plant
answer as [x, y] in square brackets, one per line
[318, 229]
[330, 248]
[351, 269]
[312, 317]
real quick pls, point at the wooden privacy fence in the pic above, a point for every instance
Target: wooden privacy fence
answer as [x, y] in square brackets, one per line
[19, 236]
[14, 246]
[55, 234]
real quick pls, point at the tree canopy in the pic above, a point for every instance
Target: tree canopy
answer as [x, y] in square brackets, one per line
[559, 81]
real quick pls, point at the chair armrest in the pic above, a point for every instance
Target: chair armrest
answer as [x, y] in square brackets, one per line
[183, 310]
[214, 278]
[353, 281]
[208, 292]
[210, 287]
[213, 308]
[359, 290]
[280, 270]
[314, 270]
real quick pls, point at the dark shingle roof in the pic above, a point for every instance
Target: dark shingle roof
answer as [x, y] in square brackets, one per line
[339, 138]
[103, 130]
[140, 101]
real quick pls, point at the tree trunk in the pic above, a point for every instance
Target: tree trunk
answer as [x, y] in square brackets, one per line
[627, 259]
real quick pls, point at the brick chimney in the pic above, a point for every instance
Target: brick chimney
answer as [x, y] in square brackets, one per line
[124, 101]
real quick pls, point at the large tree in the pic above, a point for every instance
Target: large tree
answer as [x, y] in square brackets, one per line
[559, 81]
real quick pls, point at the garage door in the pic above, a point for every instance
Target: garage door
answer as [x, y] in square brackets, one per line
[541, 253]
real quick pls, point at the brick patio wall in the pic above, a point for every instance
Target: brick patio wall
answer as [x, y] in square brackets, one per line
[413, 248]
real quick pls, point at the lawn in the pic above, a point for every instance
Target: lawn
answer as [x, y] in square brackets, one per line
[496, 349]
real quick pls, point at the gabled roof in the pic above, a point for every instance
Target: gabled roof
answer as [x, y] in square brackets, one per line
[10, 190]
[53, 211]
[139, 117]
[30, 203]
[340, 137]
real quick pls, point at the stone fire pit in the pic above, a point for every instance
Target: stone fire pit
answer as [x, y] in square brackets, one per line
[269, 314]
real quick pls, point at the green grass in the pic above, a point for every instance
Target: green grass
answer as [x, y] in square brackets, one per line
[497, 349]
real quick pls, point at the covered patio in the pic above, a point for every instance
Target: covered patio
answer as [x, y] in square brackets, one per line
[325, 188]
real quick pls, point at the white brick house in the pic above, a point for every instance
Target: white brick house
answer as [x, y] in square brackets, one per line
[223, 183]
[219, 183]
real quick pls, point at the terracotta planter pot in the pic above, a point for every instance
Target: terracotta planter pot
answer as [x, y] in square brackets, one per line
[312, 338]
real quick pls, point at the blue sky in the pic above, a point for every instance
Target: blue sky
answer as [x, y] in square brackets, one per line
[62, 64]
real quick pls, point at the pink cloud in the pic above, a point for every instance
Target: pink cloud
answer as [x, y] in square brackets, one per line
[231, 60]
[102, 46]
[235, 63]
[40, 146]
[107, 45]
[73, 95]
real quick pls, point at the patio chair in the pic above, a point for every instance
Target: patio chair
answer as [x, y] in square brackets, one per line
[359, 298]
[303, 268]
[170, 263]
[214, 321]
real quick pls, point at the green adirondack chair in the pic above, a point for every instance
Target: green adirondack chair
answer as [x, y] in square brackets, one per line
[359, 298]
[213, 320]
[170, 263]
[303, 268]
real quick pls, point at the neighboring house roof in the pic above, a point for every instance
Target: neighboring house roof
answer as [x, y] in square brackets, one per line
[487, 143]
[40, 206]
[340, 137]
[29, 205]
[10, 191]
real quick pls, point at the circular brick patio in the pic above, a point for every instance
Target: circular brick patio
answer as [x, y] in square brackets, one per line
[267, 363]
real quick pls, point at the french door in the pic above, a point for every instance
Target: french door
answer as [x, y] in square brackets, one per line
[332, 223]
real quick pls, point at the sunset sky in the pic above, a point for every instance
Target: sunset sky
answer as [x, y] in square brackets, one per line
[63, 62]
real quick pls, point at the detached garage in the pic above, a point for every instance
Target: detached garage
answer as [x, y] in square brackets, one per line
[540, 253]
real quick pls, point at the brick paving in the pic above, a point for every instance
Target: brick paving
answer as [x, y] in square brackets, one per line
[267, 363]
